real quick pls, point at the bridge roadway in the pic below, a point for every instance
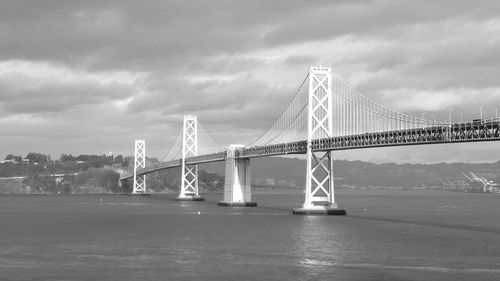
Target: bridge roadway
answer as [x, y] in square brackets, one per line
[475, 131]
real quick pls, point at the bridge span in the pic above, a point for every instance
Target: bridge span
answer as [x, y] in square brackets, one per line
[324, 115]
[456, 133]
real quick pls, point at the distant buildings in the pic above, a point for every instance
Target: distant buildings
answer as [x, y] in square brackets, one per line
[470, 183]
[15, 161]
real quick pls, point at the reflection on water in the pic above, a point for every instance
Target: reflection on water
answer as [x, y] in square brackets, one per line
[319, 242]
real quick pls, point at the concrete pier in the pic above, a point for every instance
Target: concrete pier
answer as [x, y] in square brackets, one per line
[237, 189]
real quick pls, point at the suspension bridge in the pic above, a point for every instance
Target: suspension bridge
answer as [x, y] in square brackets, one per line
[324, 115]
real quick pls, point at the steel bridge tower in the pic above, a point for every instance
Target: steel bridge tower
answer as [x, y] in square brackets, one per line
[139, 162]
[319, 193]
[189, 178]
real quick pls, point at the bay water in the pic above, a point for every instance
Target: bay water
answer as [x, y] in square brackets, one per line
[386, 235]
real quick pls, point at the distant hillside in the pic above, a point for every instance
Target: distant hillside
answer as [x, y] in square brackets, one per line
[290, 172]
[36, 173]
[276, 172]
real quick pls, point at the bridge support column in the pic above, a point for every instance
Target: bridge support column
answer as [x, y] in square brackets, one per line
[237, 189]
[139, 162]
[319, 193]
[189, 178]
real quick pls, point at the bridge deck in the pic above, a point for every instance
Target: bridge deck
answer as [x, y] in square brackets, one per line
[456, 132]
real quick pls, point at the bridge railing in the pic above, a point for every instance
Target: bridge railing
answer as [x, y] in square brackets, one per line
[200, 159]
[477, 130]
[297, 147]
[442, 133]
[456, 132]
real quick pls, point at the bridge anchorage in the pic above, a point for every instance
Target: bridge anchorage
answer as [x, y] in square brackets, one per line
[189, 178]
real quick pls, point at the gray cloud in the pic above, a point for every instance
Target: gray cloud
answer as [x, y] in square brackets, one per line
[372, 18]
[132, 34]
[300, 60]
[234, 64]
[18, 95]
[214, 101]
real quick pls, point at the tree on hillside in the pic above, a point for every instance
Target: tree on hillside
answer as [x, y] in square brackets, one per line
[96, 161]
[128, 162]
[37, 157]
[118, 159]
[14, 157]
[67, 157]
[41, 184]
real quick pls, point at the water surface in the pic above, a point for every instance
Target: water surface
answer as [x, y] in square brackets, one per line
[387, 235]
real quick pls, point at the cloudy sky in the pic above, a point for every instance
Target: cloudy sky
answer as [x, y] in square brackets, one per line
[91, 76]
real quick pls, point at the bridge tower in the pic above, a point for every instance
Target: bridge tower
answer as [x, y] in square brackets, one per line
[319, 193]
[189, 178]
[139, 162]
[237, 189]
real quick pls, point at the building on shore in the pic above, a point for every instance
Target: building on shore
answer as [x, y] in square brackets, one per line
[470, 183]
